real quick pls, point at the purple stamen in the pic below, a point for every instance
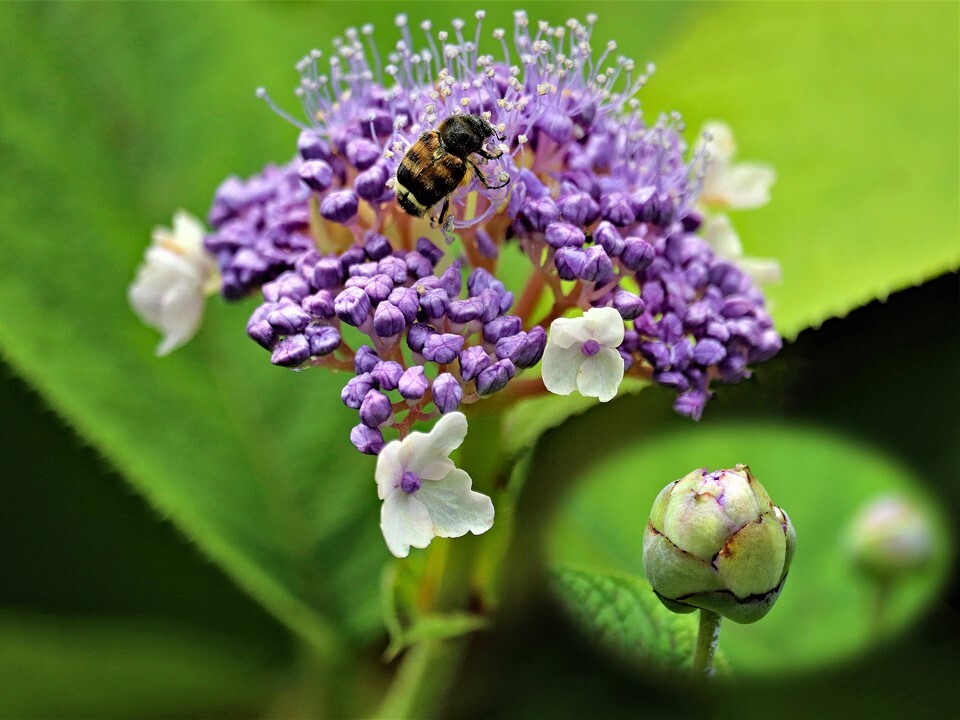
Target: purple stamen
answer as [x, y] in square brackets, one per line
[590, 347]
[410, 482]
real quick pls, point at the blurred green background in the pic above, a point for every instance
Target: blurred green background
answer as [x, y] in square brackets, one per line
[194, 537]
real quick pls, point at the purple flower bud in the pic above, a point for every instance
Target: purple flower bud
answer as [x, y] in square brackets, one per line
[718, 330]
[393, 267]
[442, 348]
[578, 208]
[481, 280]
[413, 383]
[379, 120]
[556, 125]
[365, 360]
[361, 270]
[501, 327]
[327, 273]
[672, 379]
[656, 353]
[691, 221]
[259, 330]
[312, 147]
[367, 440]
[356, 390]
[473, 361]
[435, 303]
[489, 303]
[523, 349]
[387, 374]
[506, 302]
[709, 352]
[316, 174]
[691, 403]
[447, 393]
[495, 377]
[733, 368]
[290, 285]
[377, 246]
[430, 251]
[629, 306]
[388, 320]
[653, 295]
[407, 301]
[291, 351]
[561, 234]
[637, 254]
[608, 237]
[697, 313]
[323, 339]
[682, 354]
[418, 265]
[464, 311]
[287, 318]
[737, 306]
[375, 409]
[339, 206]
[353, 255]
[379, 288]
[417, 336]
[597, 266]
[569, 262]
[768, 345]
[352, 306]
[371, 184]
[537, 214]
[362, 153]
[451, 280]
[616, 208]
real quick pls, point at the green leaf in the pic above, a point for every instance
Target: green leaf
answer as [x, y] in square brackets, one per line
[622, 614]
[820, 479]
[72, 667]
[253, 463]
[863, 138]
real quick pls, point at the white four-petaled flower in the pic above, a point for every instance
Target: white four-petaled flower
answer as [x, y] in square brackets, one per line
[734, 186]
[581, 354]
[729, 185]
[172, 284]
[424, 494]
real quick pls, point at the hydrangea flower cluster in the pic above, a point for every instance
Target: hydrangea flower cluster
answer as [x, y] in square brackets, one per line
[599, 203]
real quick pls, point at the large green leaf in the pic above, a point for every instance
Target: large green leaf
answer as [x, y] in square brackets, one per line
[856, 107]
[820, 479]
[102, 141]
[72, 667]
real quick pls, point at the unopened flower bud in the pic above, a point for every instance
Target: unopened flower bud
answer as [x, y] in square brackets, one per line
[715, 541]
[890, 538]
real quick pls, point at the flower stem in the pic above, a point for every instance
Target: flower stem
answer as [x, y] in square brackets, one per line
[429, 668]
[707, 638]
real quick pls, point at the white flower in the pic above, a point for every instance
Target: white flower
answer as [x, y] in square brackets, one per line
[726, 185]
[172, 284]
[424, 494]
[581, 354]
[719, 234]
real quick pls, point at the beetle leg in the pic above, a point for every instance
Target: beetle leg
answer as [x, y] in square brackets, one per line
[483, 180]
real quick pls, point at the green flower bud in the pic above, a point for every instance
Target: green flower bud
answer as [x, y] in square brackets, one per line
[890, 538]
[715, 541]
